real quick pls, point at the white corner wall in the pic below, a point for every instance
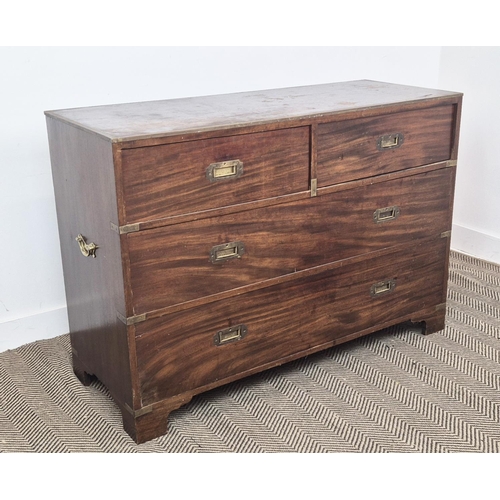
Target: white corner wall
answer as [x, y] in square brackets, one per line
[475, 71]
[32, 301]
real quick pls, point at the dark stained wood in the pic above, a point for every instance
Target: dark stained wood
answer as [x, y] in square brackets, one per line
[156, 425]
[171, 265]
[306, 120]
[178, 117]
[433, 319]
[170, 180]
[84, 186]
[151, 424]
[314, 153]
[269, 202]
[177, 353]
[348, 150]
[451, 197]
[303, 282]
[456, 130]
[80, 370]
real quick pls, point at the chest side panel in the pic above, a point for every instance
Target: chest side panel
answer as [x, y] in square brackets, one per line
[82, 166]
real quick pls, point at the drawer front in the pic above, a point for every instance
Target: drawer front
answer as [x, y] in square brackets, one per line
[185, 350]
[174, 179]
[359, 148]
[182, 262]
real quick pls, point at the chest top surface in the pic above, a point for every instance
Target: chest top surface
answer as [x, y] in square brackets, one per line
[142, 120]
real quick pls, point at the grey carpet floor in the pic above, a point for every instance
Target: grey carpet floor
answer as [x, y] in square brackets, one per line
[395, 391]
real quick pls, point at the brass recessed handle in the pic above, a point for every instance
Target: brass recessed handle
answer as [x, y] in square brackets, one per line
[386, 214]
[382, 287]
[231, 334]
[87, 249]
[224, 170]
[232, 250]
[390, 141]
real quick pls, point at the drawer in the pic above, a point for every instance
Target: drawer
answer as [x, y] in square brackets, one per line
[190, 349]
[180, 178]
[365, 147]
[183, 262]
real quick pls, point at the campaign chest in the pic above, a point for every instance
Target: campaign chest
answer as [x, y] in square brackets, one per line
[206, 239]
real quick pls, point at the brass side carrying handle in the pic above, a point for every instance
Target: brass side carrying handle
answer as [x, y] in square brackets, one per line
[382, 287]
[224, 170]
[231, 334]
[221, 253]
[390, 141]
[87, 249]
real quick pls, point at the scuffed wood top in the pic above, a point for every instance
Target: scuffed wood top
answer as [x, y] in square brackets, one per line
[140, 120]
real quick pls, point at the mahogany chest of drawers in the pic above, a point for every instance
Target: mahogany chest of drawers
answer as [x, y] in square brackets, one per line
[206, 239]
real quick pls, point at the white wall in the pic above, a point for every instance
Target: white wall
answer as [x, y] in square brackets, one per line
[32, 302]
[475, 71]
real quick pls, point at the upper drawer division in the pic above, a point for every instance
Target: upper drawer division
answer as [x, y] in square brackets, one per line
[193, 176]
[358, 148]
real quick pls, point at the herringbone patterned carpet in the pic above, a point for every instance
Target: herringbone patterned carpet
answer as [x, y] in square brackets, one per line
[393, 391]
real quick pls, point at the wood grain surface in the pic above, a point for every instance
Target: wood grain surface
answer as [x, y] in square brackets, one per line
[310, 260]
[84, 186]
[172, 264]
[169, 180]
[177, 353]
[348, 150]
[162, 119]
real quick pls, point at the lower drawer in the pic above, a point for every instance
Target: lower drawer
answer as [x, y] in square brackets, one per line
[182, 351]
